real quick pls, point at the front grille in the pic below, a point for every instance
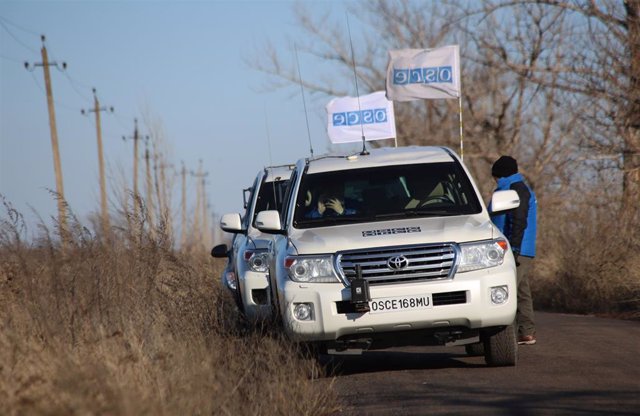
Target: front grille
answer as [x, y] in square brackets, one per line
[413, 263]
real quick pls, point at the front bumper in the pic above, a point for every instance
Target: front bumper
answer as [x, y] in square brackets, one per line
[331, 321]
[254, 289]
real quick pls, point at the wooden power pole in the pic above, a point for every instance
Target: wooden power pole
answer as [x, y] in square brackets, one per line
[57, 164]
[103, 184]
[150, 212]
[200, 211]
[183, 239]
[136, 137]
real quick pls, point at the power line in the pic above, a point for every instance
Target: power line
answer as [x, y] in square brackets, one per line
[73, 86]
[24, 45]
[58, 103]
[31, 32]
[8, 58]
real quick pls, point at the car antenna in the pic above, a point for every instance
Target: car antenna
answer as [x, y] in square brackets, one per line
[304, 103]
[364, 151]
[266, 123]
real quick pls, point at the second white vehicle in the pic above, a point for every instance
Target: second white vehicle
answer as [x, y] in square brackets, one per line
[246, 274]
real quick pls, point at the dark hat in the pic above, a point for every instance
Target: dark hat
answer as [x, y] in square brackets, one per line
[505, 166]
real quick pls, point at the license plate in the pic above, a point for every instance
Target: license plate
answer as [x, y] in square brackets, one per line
[400, 303]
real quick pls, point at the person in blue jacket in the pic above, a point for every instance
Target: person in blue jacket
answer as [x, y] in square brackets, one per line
[519, 226]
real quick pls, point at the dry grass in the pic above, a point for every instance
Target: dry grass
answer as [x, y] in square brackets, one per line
[589, 259]
[126, 325]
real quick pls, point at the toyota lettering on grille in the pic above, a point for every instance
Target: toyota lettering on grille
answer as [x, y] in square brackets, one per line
[397, 262]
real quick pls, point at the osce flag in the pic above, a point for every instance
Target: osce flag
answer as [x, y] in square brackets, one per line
[414, 74]
[348, 119]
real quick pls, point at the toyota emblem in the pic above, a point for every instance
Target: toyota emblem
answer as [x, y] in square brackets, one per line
[397, 262]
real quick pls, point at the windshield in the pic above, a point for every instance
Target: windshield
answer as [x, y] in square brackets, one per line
[383, 193]
[270, 197]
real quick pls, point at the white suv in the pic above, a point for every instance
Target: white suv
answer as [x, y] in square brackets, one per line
[246, 273]
[389, 248]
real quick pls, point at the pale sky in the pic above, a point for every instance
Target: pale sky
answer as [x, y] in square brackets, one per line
[180, 61]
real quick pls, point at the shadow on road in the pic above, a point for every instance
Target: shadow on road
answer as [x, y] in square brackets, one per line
[393, 360]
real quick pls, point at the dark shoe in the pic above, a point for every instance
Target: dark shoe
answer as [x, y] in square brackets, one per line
[527, 340]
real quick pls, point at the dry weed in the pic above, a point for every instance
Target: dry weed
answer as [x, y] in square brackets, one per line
[125, 325]
[589, 260]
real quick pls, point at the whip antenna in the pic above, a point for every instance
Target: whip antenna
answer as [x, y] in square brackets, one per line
[266, 123]
[355, 76]
[304, 102]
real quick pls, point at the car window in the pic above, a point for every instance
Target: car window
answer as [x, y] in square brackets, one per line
[381, 193]
[270, 197]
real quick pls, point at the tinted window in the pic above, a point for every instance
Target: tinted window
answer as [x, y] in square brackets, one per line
[270, 197]
[382, 193]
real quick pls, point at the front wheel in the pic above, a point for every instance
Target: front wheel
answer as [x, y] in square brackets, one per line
[500, 347]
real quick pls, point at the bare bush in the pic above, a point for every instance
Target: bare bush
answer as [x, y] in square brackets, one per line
[132, 327]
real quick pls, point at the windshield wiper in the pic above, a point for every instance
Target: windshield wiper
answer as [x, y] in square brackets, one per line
[324, 221]
[412, 213]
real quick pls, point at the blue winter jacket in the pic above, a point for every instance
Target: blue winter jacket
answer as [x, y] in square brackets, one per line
[519, 225]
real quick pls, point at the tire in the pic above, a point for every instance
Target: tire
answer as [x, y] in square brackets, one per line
[501, 347]
[474, 350]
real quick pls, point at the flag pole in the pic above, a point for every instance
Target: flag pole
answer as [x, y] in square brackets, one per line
[460, 113]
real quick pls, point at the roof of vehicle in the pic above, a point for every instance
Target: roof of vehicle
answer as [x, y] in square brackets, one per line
[384, 156]
[279, 173]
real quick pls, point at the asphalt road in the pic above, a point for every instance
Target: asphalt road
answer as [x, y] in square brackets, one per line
[581, 365]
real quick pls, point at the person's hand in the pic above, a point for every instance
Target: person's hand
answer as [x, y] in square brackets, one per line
[336, 205]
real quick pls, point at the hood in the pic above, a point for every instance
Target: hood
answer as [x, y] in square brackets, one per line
[392, 233]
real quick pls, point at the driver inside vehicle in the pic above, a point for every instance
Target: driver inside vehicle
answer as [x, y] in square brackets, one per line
[425, 191]
[330, 204]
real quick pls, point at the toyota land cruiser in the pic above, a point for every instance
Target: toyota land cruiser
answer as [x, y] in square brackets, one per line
[246, 274]
[390, 248]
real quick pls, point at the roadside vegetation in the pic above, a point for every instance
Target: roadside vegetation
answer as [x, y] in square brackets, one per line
[127, 325]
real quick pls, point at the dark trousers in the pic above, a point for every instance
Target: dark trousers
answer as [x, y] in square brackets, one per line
[524, 315]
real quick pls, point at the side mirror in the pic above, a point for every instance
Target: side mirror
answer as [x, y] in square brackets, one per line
[231, 223]
[220, 251]
[269, 222]
[504, 200]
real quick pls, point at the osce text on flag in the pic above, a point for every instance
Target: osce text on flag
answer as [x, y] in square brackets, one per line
[352, 118]
[440, 74]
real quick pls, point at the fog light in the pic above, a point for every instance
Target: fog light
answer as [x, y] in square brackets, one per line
[303, 311]
[499, 295]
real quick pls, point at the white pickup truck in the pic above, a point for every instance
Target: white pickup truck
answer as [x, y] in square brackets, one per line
[390, 248]
[246, 273]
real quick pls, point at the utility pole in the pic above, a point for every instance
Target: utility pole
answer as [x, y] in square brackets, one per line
[135, 138]
[57, 164]
[103, 185]
[147, 158]
[200, 203]
[166, 198]
[205, 217]
[183, 239]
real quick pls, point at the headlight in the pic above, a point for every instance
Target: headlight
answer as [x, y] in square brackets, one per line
[477, 256]
[230, 280]
[256, 260]
[310, 269]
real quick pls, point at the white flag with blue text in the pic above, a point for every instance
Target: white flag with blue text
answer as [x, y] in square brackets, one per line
[414, 74]
[348, 118]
